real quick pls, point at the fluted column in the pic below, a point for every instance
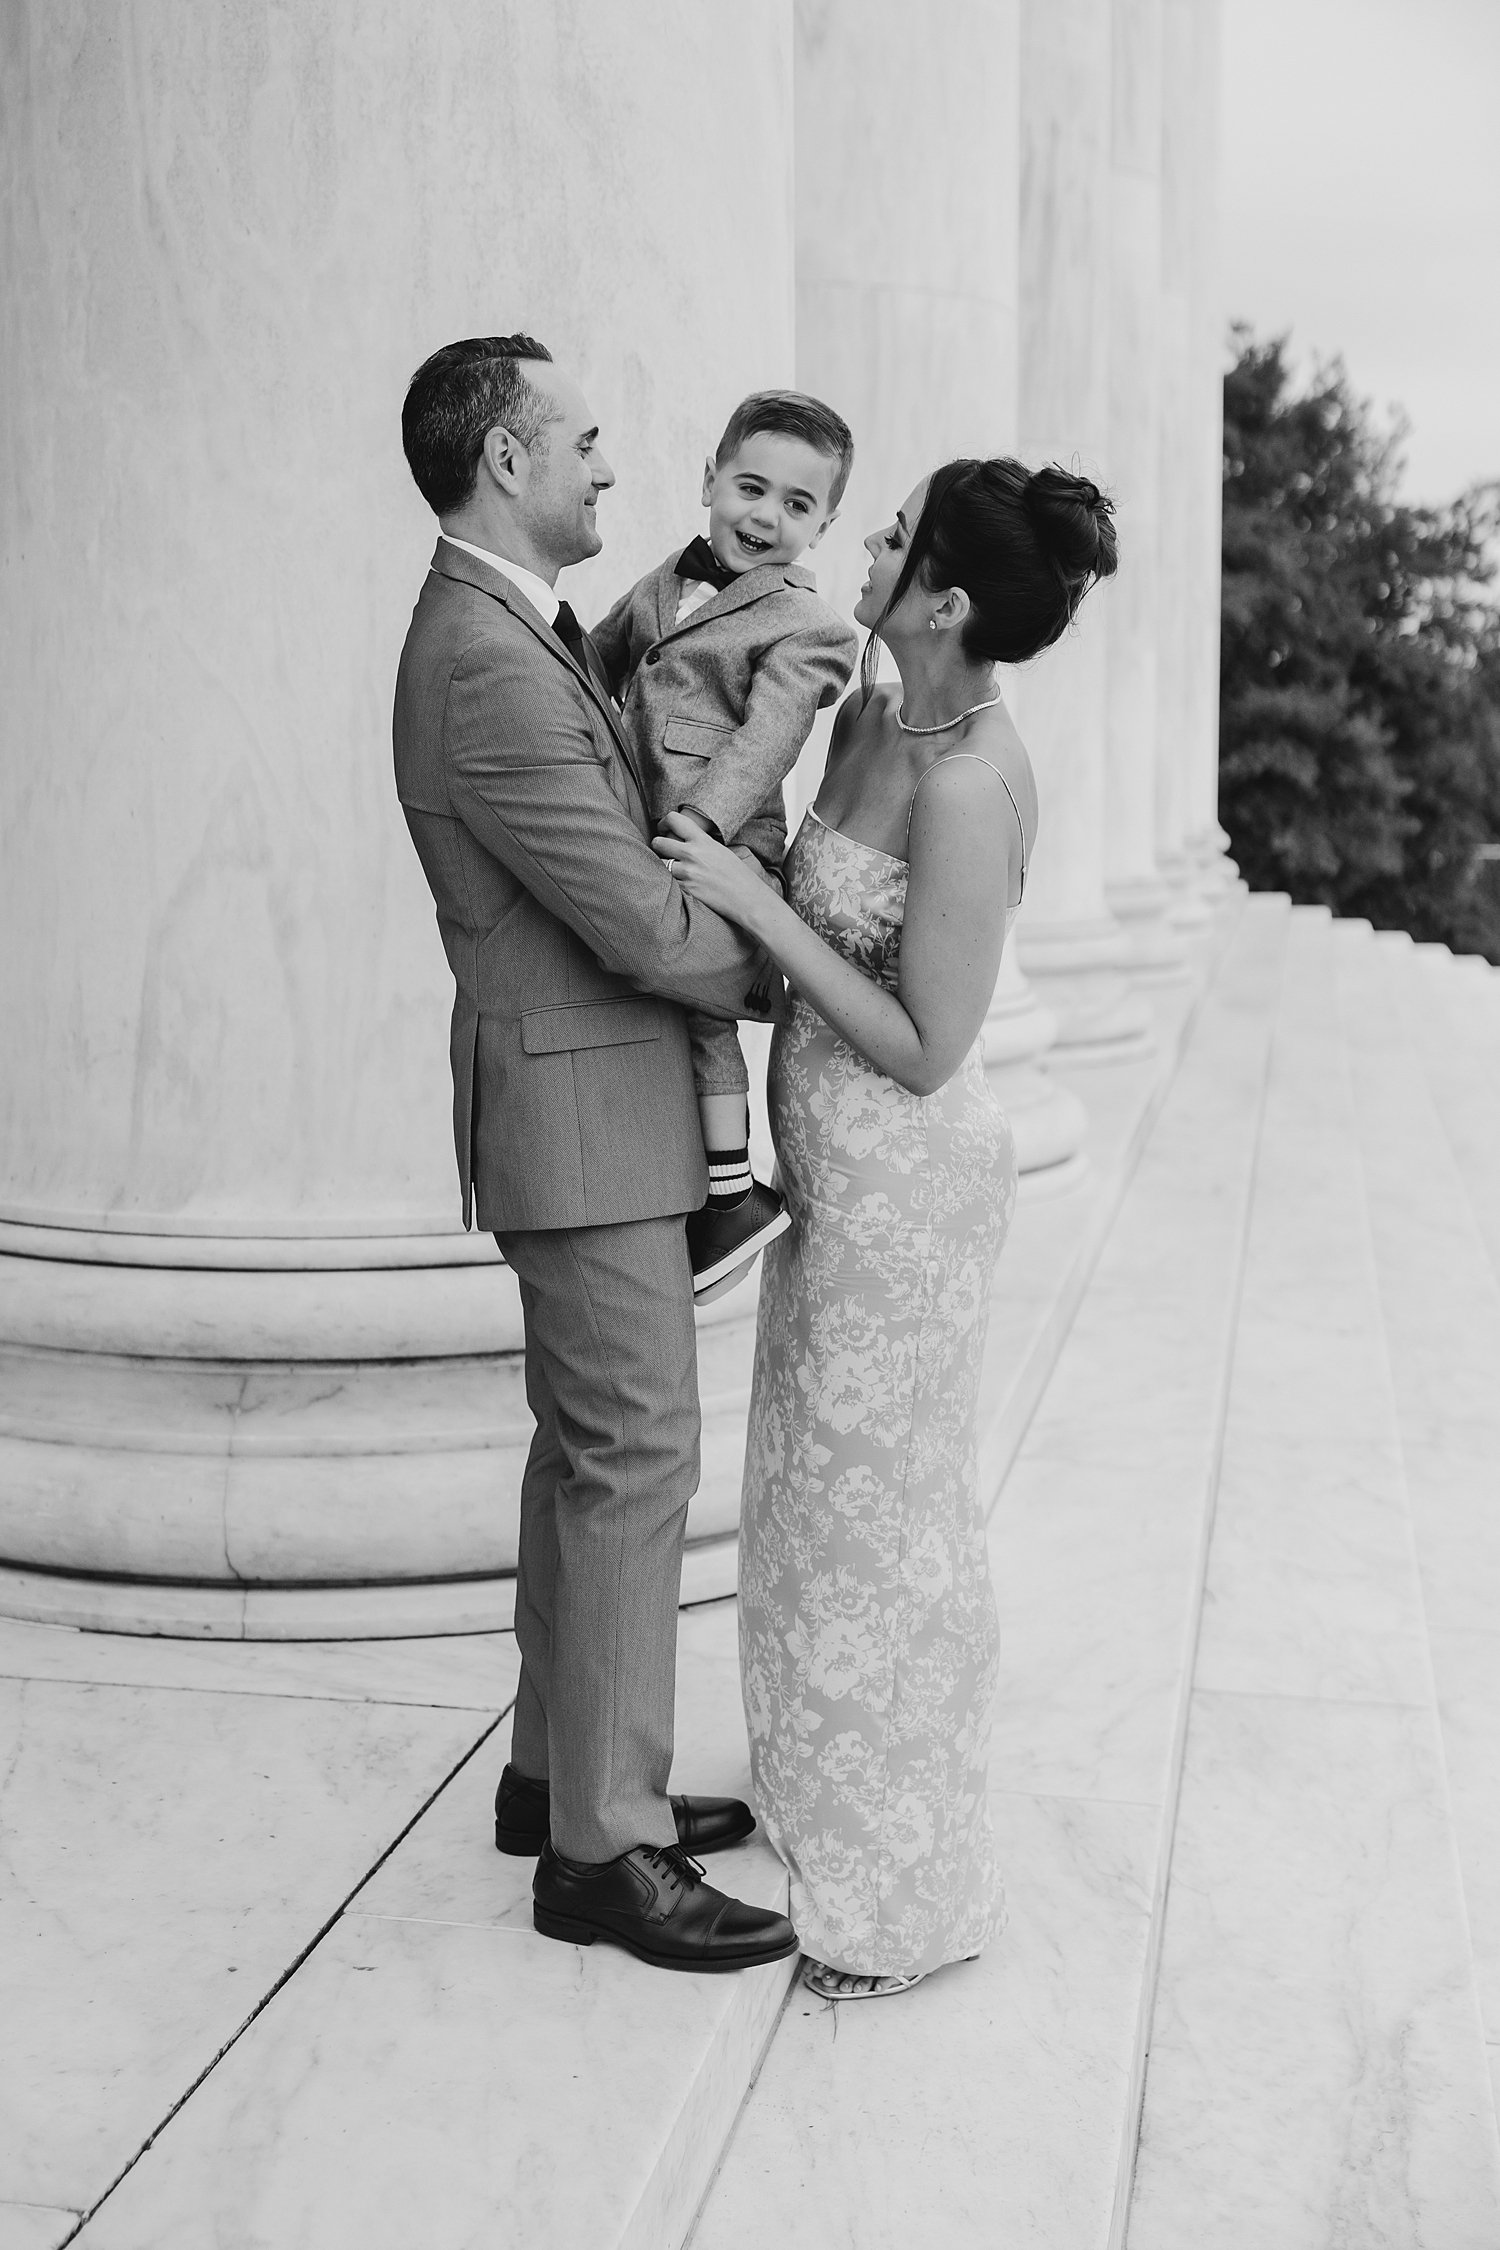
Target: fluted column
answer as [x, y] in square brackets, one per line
[1071, 945]
[246, 1353]
[1180, 529]
[1134, 888]
[908, 140]
[1207, 842]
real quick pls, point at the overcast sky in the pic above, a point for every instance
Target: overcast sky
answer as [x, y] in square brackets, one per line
[1362, 206]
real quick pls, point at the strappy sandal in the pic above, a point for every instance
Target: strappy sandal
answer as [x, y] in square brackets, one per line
[819, 1978]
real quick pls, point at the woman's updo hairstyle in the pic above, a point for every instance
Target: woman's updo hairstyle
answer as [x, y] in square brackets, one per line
[1024, 545]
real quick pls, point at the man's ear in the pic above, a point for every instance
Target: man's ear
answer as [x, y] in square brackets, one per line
[504, 458]
[708, 479]
[823, 526]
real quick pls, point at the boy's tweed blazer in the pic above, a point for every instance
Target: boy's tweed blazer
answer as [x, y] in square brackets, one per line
[570, 944]
[717, 709]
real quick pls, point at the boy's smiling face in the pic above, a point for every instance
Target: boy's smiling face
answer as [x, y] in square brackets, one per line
[769, 501]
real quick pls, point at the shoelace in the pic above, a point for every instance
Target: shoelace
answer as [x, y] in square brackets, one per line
[675, 1860]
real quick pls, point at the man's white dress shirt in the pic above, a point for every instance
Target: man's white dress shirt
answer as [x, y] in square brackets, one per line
[540, 595]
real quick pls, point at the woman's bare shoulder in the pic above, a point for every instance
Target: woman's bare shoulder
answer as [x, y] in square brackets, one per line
[994, 752]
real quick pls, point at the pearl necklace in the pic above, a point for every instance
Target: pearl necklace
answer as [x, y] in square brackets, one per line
[949, 724]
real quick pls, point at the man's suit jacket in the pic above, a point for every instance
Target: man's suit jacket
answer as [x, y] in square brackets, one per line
[716, 709]
[572, 949]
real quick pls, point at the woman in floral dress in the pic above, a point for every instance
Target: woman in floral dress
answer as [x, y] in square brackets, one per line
[868, 1632]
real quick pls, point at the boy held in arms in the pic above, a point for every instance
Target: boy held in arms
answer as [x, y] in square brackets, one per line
[722, 658]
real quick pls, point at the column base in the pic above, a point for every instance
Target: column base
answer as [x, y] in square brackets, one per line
[1155, 952]
[1216, 873]
[288, 1454]
[1080, 972]
[1190, 911]
[1048, 1121]
[185, 1612]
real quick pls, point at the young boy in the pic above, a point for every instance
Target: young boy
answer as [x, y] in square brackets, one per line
[722, 658]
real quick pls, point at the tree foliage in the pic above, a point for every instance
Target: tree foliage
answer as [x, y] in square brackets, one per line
[1360, 688]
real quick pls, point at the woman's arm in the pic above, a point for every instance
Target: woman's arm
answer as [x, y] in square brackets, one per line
[963, 851]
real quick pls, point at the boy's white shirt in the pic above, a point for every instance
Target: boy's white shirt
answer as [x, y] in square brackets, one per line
[695, 592]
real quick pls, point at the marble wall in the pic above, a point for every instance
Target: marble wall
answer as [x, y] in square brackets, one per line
[244, 1340]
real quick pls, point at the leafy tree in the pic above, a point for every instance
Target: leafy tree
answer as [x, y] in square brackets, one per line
[1360, 688]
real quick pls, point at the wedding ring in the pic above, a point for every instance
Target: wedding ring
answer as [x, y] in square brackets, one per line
[671, 867]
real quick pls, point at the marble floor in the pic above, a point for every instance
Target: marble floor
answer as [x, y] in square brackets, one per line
[266, 1985]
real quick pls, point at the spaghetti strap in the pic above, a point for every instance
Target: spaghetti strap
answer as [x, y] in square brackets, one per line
[951, 757]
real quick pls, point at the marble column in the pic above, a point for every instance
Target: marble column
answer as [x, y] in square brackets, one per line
[1180, 545]
[252, 1371]
[1071, 946]
[1207, 842]
[908, 138]
[1136, 893]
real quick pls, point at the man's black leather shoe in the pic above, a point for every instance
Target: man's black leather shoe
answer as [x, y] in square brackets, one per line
[653, 1901]
[704, 1824]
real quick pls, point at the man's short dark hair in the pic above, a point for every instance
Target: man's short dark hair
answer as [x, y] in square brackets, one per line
[453, 402]
[792, 414]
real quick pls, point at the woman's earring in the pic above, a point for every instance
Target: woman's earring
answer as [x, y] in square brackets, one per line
[932, 624]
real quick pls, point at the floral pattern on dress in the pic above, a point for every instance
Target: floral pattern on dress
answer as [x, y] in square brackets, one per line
[868, 1633]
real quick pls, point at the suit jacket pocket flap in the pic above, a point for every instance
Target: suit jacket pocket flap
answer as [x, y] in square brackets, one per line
[589, 1023]
[698, 738]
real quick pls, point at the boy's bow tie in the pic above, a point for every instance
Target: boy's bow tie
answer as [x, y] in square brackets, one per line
[698, 560]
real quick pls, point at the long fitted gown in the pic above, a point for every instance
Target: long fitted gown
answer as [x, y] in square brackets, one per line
[869, 1639]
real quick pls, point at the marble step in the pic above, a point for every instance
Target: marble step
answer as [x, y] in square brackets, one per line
[1441, 1301]
[1452, 1006]
[374, 2097]
[434, 2073]
[1316, 2068]
[180, 1824]
[996, 2103]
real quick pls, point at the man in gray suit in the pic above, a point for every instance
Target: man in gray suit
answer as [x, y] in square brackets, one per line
[574, 954]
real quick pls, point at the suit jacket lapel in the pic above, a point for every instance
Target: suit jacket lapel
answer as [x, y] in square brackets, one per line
[452, 562]
[668, 595]
[749, 587]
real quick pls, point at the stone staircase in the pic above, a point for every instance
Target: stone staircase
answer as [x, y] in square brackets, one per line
[1244, 1432]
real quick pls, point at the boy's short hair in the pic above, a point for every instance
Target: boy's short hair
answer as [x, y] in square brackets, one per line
[453, 402]
[792, 414]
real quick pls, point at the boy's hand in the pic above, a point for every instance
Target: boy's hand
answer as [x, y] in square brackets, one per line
[700, 821]
[714, 875]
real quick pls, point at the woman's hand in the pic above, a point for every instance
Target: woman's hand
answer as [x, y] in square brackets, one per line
[711, 873]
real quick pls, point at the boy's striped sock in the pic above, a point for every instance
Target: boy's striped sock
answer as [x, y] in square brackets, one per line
[730, 1178]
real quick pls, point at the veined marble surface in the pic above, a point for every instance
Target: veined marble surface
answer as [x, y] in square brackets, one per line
[1312, 1585]
[470, 1672]
[436, 2073]
[169, 1854]
[1440, 1299]
[1316, 2072]
[34, 2226]
[986, 2106]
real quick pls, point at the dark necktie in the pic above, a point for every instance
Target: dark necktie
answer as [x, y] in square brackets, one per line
[698, 560]
[568, 630]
